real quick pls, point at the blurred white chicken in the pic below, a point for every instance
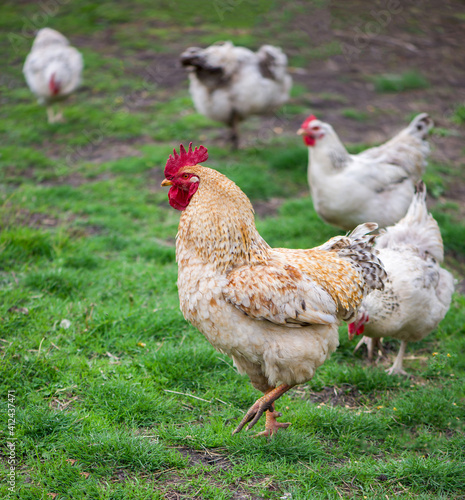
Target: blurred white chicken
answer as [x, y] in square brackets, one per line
[229, 83]
[52, 70]
[376, 185]
[417, 293]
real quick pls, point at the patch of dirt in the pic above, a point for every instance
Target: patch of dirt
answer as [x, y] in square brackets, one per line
[160, 68]
[207, 457]
[456, 192]
[12, 217]
[121, 476]
[111, 151]
[98, 148]
[75, 180]
[10, 172]
[87, 230]
[63, 403]
[238, 491]
[221, 463]
[23, 217]
[267, 208]
[163, 69]
[346, 395]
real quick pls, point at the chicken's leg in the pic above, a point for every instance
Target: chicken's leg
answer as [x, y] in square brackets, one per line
[55, 117]
[396, 368]
[372, 346]
[234, 124]
[265, 403]
[59, 115]
[50, 114]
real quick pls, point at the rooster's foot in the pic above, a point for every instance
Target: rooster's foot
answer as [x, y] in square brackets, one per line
[254, 413]
[260, 406]
[272, 425]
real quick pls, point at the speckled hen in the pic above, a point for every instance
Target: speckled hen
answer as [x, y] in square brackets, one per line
[274, 311]
[229, 83]
[418, 290]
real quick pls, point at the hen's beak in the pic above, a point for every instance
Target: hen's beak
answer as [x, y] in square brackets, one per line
[301, 131]
[352, 331]
[166, 182]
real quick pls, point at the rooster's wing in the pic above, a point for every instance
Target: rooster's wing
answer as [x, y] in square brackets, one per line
[280, 293]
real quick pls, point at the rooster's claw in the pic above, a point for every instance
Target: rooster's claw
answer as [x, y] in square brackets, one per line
[253, 415]
[265, 403]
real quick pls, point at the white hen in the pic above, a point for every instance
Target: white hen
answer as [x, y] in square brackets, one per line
[229, 83]
[418, 291]
[377, 184]
[52, 69]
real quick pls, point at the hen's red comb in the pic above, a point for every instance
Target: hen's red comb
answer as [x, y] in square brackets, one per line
[185, 158]
[306, 123]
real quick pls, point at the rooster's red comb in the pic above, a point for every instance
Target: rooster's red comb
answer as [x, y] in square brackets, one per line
[185, 158]
[306, 123]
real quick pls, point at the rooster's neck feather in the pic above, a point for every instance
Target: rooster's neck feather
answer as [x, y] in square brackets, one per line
[219, 223]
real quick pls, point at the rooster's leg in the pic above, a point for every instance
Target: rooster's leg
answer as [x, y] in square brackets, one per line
[396, 368]
[260, 406]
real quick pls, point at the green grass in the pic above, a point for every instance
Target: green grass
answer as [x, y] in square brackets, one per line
[124, 399]
[410, 80]
[459, 115]
[355, 114]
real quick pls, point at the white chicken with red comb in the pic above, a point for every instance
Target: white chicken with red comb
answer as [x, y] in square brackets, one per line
[376, 185]
[52, 70]
[274, 311]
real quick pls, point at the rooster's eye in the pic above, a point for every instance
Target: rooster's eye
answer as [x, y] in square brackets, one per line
[316, 128]
[185, 176]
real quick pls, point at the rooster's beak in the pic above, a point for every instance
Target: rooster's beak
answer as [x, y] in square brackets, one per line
[166, 182]
[301, 131]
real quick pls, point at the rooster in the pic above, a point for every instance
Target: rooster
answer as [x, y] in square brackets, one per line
[418, 291]
[229, 83]
[52, 70]
[377, 184]
[274, 311]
